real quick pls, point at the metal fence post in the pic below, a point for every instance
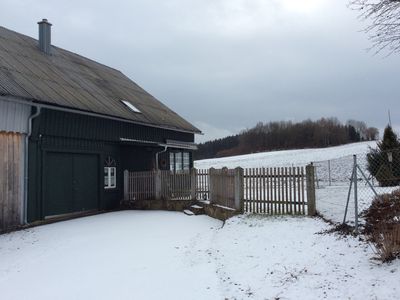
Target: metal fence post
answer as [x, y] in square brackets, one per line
[310, 184]
[329, 173]
[239, 189]
[355, 194]
[126, 185]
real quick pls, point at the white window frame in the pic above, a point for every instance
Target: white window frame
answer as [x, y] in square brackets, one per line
[111, 179]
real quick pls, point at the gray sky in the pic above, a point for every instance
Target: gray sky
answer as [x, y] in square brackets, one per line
[224, 65]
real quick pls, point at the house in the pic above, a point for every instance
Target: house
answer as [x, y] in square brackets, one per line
[70, 126]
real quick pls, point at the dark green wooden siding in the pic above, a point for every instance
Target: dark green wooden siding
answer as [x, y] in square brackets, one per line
[71, 134]
[57, 123]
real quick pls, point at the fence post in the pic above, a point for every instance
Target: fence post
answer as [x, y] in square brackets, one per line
[193, 184]
[329, 173]
[310, 183]
[126, 185]
[158, 184]
[211, 183]
[355, 180]
[239, 189]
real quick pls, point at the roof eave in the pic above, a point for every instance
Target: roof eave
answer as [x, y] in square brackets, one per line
[35, 102]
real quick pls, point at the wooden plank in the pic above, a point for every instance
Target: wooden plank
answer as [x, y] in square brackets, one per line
[257, 189]
[302, 190]
[294, 190]
[299, 190]
[245, 189]
[268, 190]
[275, 208]
[290, 191]
[264, 210]
[286, 191]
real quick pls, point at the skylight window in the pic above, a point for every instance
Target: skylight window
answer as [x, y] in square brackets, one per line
[131, 106]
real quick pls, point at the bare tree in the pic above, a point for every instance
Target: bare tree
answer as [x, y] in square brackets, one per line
[384, 27]
[372, 133]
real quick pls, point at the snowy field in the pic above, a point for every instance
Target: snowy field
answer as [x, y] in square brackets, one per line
[333, 172]
[167, 255]
[285, 158]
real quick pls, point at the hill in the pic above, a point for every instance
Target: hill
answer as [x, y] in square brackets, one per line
[286, 135]
[286, 157]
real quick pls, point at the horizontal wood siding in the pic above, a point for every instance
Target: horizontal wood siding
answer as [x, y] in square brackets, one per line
[11, 180]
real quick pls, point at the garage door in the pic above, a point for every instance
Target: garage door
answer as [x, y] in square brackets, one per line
[70, 183]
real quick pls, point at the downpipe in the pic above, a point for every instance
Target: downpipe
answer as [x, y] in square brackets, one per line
[26, 158]
[158, 153]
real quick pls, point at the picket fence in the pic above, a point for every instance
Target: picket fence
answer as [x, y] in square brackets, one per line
[274, 191]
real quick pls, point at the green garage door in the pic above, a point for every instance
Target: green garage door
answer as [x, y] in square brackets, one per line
[70, 183]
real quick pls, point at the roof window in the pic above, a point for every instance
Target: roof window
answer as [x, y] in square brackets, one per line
[131, 106]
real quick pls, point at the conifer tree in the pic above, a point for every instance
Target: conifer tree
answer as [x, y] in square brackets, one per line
[384, 161]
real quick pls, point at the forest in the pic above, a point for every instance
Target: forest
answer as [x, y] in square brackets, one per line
[285, 135]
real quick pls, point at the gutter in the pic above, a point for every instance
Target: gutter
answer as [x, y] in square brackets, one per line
[168, 144]
[93, 114]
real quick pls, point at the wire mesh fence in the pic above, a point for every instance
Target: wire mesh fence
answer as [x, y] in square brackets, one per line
[346, 186]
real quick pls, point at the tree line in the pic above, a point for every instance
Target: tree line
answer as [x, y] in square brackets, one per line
[285, 135]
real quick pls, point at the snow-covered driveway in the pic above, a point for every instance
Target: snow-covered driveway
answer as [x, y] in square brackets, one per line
[122, 255]
[168, 255]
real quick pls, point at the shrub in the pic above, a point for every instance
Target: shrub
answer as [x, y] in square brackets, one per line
[383, 225]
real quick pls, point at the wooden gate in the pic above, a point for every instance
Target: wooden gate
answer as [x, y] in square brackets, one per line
[222, 187]
[279, 191]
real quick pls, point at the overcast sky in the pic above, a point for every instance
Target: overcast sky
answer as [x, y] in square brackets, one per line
[224, 65]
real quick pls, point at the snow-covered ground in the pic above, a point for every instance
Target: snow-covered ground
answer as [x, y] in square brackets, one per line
[122, 255]
[168, 255]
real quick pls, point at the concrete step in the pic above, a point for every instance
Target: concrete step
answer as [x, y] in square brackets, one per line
[197, 209]
[188, 212]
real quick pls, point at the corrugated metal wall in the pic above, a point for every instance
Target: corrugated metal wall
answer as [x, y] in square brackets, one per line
[14, 116]
[11, 179]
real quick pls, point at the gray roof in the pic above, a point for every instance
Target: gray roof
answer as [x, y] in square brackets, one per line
[69, 80]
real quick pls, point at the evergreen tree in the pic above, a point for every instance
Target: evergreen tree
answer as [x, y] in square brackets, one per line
[384, 161]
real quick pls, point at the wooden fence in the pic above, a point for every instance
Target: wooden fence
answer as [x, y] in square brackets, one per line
[274, 191]
[175, 186]
[278, 191]
[150, 185]
[202, 184]
[139, 185]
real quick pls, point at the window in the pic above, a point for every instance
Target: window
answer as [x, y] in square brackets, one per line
[172, 161]
[110, 178]
[179, 161]
[186, 161]
[131, 106]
